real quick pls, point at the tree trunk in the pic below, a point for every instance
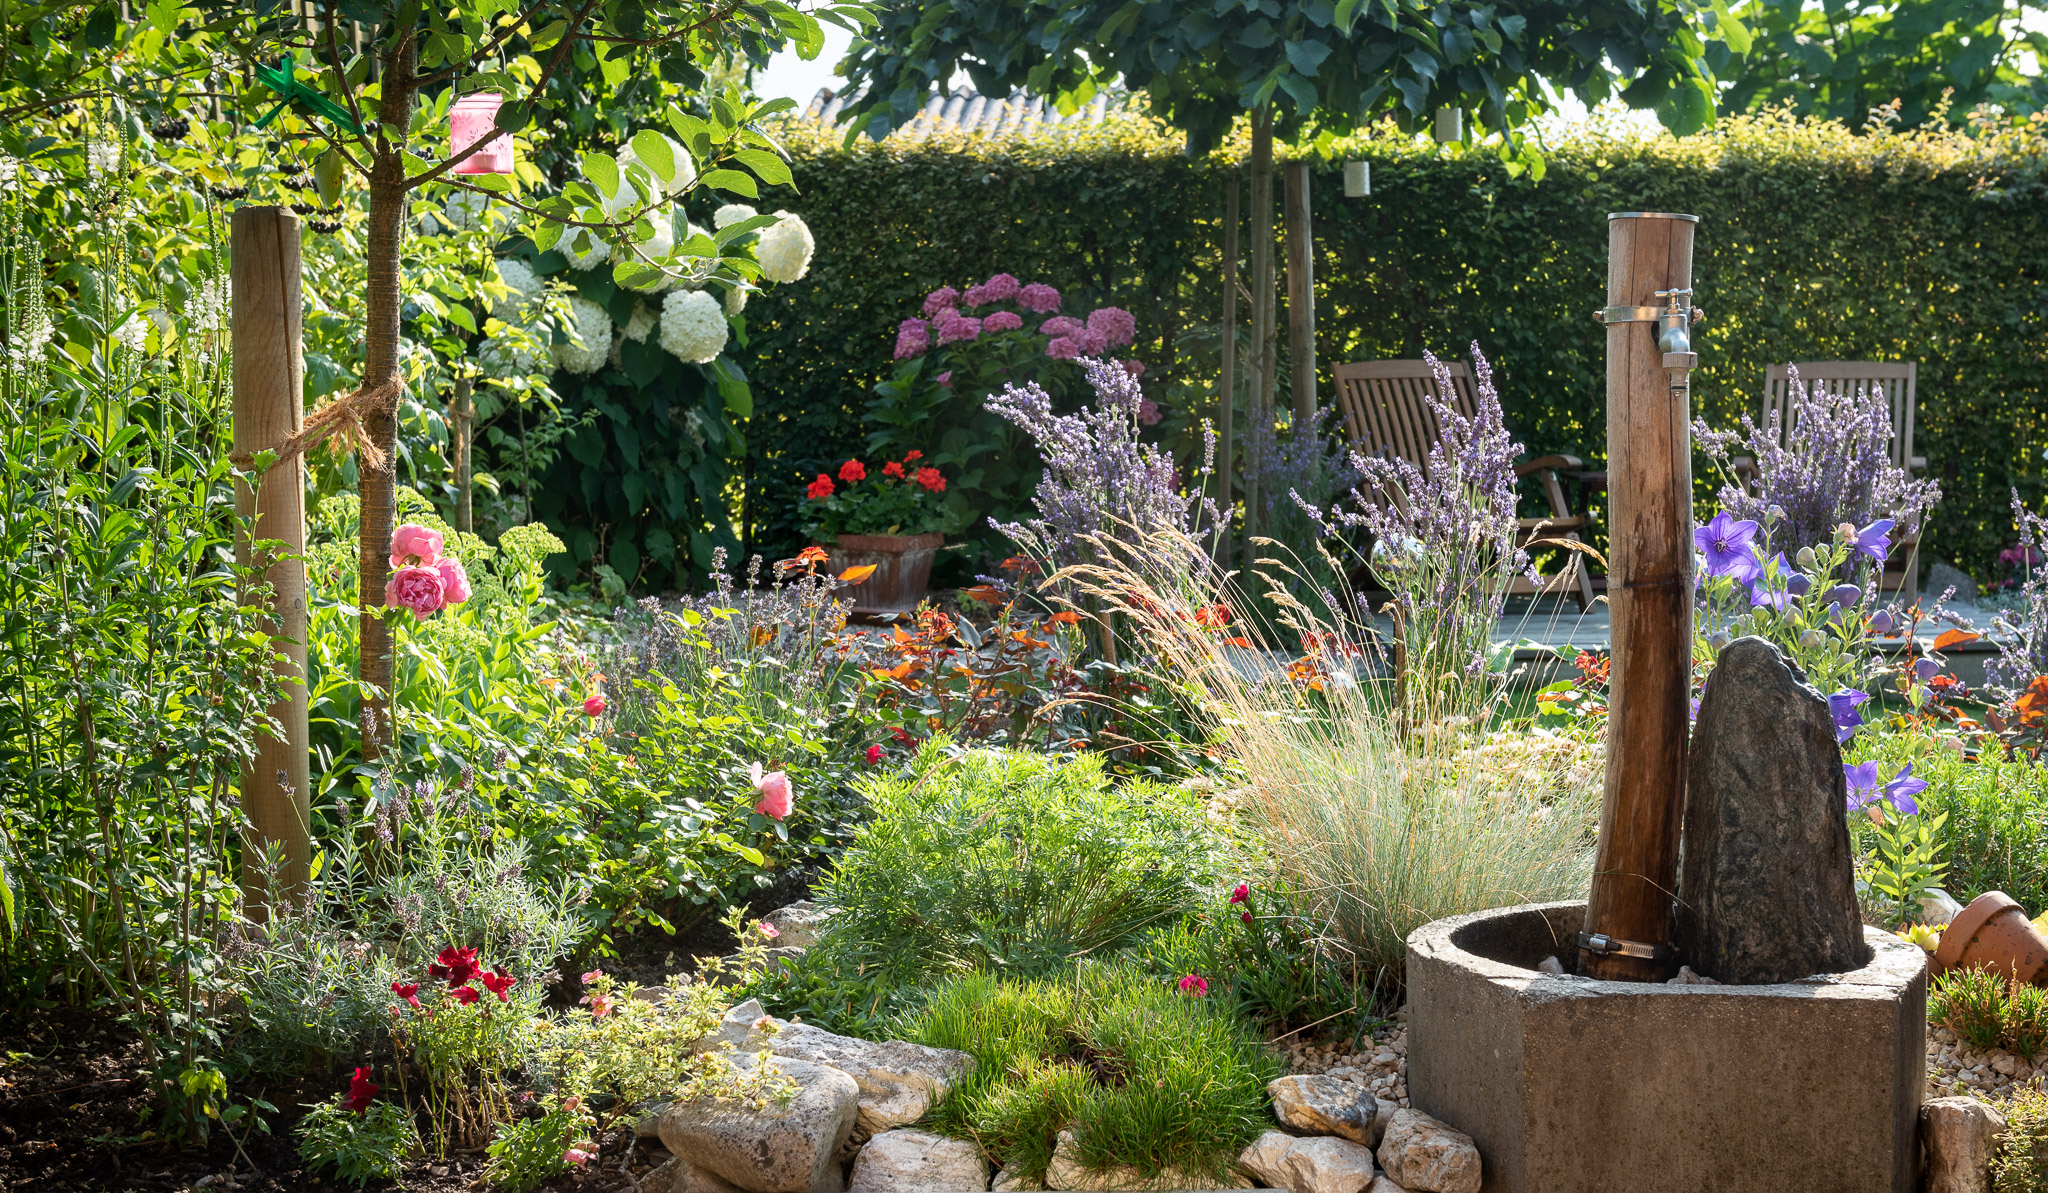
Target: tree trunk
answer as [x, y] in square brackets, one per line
[1226, 395]
[380, 369]
[1259, 418]
[1301, 295]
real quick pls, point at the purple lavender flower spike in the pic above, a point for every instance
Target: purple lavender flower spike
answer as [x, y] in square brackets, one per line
[1842, 707]
[1726, 544]
[1873, 539]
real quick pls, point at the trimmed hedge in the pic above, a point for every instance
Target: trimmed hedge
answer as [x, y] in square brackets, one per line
[1814, 243]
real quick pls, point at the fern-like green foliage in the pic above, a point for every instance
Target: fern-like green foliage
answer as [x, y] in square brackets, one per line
[1009, 861]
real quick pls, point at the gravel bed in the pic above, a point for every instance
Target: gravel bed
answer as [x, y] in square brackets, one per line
[1380, 1063]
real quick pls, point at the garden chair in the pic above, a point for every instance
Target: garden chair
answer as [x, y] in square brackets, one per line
[1386, 412]
[1897, 381]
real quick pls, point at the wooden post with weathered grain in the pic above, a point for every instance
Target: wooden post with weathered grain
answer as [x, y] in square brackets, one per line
[1259, 419]
[462, 427]
[1226, 395]
[1649, 468]
[1301, 293]
[269, 368]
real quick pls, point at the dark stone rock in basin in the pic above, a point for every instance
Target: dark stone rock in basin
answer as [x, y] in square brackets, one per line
[1768, 887]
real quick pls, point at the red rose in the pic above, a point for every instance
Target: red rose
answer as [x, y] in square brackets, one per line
[853, 470]
[593, 706]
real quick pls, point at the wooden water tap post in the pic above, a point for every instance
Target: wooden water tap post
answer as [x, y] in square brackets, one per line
[1649, 314]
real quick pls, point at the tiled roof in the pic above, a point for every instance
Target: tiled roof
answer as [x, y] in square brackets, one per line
[1019, 115]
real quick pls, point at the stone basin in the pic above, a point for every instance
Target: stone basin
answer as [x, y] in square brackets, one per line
[1572, 1085]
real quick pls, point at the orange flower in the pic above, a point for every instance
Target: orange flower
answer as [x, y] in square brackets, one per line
[1213, 616]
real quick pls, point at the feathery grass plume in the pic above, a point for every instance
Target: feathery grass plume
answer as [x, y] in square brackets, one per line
[1381, 821]
[1834, 467]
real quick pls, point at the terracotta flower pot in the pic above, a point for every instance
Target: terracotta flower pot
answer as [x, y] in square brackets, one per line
[1993, 933]
[903, 569]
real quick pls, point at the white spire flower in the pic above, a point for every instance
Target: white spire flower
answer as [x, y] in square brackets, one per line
[133, 334]
[522, 301]
[207, 309]
[685, 172]
[693, 327]
[102, 158]
[784, 249]
[732, 213]
[592, 341]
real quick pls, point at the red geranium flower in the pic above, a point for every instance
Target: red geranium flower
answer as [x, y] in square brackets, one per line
[360, 1091]
[914, 455]
[930, 479]
[455, 965]
[853, 470]
[820, 488]
[497, 982]
[410, 993]
[893, 468]
[465, 994]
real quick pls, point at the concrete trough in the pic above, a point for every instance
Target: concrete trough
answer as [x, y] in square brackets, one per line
[1571, 1085]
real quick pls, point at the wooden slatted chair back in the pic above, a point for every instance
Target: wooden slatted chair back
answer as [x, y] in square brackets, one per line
[1897, 380]
[1386, 405]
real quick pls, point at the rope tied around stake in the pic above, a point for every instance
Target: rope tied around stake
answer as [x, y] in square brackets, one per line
[340, 420]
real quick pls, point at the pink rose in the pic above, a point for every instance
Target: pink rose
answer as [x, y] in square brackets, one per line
[1061, 325]
[777, 797]
[1117, 325]
[1039, 297]
[454, 581]
[415, 544]
[416, 588]
[1136, 368]
[594, 706]
[1062, 348]
[913, 338]
[939, 299]
[1001, 288]
[1002, 321]
[769, 930]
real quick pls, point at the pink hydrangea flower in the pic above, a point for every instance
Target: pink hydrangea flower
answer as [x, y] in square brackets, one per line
[1062, 348]
[1039, 297]
[1115, 323]
[778, 798]
[416, 588]
[958, 328]
[1136, 368]
[913, 338]
[413, 543]
[454, 581]
[939, 299]
[1001, 288]
[1092, 342]
[1148, 412]
[1002, 321]
[1061, 325]
[976, 296]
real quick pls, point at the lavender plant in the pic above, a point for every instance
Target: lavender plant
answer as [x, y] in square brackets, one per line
[1835, 466]
[1301, 470]
[1444, 544]
[2023, 632]
[1099, 479]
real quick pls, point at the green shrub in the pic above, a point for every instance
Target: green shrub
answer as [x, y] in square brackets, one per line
[2022, 1163]
[1004, 860]
[1250, 944]
[361, 1146]
[1970, 1003]
[1996, 836]
[2026, 1020]
[1143, 1074]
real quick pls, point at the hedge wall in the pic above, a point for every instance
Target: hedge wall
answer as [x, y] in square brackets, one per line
[1814, 243]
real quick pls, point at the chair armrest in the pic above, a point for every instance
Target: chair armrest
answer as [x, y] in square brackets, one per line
[1548, 463]
[1917, 464]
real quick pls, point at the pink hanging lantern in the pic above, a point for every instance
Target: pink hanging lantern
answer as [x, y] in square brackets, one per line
[471, 119]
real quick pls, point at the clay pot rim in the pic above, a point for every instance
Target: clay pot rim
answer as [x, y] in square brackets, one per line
[1969, 921]
[888, 542]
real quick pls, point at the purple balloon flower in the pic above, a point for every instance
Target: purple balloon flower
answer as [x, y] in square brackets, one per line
[1842, 707]
[1727, 545]
[1881, 622]
[1864, 790]
[1763, 596]
[1926, 669]
[1872, 540]
[1844, 595]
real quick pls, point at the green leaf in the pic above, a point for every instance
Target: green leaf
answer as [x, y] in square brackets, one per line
[732, 180]
[653, 151]
[768, 167]
[603, 171]
[1730, 30]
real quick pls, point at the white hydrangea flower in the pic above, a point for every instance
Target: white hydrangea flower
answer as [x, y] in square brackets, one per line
[656, 247]
[732, 213]
[597, 254]
[525, 289]
[686, 170]
[639, 325]
[10, 169]
[784, 249]
[735, 299]
[464, 210]
[594, 329]
[133, 335]
[693, 326]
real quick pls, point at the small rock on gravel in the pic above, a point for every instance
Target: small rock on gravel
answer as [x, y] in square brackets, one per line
[677, 1175]
[779, 1148]
[1323, 1164]
[1962, 1136]
[1308, 1104]
[907, 1161]
[1422, 1154]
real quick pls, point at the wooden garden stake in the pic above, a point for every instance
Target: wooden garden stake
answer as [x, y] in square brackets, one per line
[269, 371]
[1226, 397]
[462, 420]
[1301, 293]
[1262, 314]
[1649, 467]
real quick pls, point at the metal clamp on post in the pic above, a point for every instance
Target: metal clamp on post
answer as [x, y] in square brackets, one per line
[1601, 943]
